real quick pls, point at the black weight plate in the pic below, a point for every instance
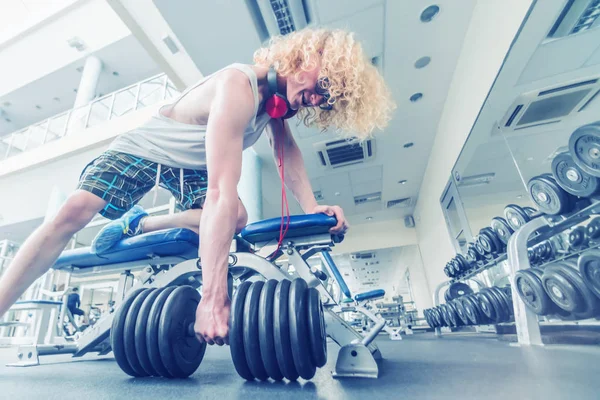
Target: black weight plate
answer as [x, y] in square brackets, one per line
[589, 305]
[265, 329]
[447, 271]
[593, 228]
[560, 289]
[584, 145]
[465, 265]
[479, 316]
[485, 242]
[251, 340]
[141, 348]
[460, 311]
[502, 312]
[117, 330]
[578, 238]
[473, 255]
[479, 249]
[548, 196]
[283, 346]
[497, 245]
[180, 350]
[552, 308]
[589, 267]
[451, 316]
[457, 289]
[515, 216]
[444, 315]
[530, 211]
[428, 319]
[447, 296]
[486, 305]
[152, 327]
[437, 314]
[502, 229]
[531, 291]
[236, 332]
[456, 320]
[505, 300]
[316, 328]
[470, 310]
[129, 336]
[298, 329]
[572, 178]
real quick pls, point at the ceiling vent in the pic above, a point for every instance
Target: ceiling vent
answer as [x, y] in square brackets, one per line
[363, 256]
[367, 198]
[282, 16]
[340, 153]
[550, 105]
[577, 16]
[399, 203]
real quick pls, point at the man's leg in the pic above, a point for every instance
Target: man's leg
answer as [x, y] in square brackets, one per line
[189, 219]
[44, 245]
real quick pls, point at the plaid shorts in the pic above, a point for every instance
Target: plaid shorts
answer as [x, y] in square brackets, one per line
[123, 179]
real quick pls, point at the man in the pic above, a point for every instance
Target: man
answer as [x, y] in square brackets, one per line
[73, 303]
[193, 147]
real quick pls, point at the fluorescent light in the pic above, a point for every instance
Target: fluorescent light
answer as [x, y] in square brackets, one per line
[475, 180]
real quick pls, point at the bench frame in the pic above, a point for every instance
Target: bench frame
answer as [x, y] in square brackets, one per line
[357, 356]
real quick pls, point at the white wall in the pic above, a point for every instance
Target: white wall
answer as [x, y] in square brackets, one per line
[43, 48]
[378, 235]
[492, 28]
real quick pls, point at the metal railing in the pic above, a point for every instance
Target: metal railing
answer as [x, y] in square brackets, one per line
[76, 120]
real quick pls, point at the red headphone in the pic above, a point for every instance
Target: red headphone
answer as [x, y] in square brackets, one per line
[277, 105]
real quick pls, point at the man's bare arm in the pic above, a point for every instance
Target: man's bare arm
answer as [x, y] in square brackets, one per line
[230, 112]
[296, 178]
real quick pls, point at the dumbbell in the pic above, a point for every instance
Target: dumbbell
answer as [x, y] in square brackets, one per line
[549, 197]
[277, 330]
[572, 178]
[578, 238]
[490, 242]
[593, 229]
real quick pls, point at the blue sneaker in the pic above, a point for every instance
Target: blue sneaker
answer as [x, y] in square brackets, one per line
[114, 231]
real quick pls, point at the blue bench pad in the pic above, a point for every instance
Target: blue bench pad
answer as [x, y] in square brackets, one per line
[163, 243]
[371, 294]
[299, 225]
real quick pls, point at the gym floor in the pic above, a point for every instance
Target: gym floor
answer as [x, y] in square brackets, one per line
[419, 367]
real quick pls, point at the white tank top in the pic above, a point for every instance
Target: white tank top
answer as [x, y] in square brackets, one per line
[176, 144]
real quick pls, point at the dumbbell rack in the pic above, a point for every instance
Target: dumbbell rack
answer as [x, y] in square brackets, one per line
[526, 321]
[438, 289]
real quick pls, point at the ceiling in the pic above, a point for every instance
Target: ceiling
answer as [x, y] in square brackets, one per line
[383, 27]
[56, 92]
[535, 63]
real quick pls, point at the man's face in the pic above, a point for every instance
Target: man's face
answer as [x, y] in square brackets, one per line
[307, 90]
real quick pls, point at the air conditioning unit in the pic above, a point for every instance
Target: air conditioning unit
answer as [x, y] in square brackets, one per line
[343, 152]
[577, 16]
[549, 106]
[283, 16]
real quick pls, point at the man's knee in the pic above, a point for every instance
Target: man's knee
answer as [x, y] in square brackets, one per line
[242, 219]
[77, 211]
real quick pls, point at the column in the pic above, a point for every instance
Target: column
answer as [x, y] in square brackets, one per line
[250, 185]
[89, 81]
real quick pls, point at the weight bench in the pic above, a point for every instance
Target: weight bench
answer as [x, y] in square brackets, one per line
[170, 257]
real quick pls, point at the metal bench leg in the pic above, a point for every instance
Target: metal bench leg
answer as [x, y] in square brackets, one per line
[357, 356]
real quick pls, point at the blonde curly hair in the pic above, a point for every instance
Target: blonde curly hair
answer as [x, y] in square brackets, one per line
[361, 100]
